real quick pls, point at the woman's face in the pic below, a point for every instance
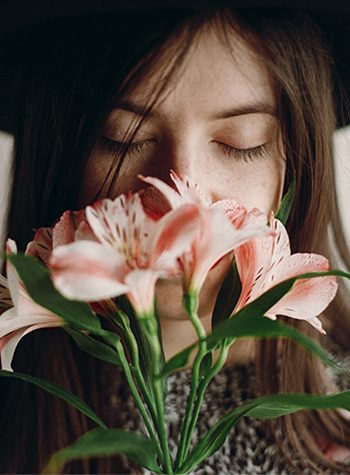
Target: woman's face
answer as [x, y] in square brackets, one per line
[217, 123]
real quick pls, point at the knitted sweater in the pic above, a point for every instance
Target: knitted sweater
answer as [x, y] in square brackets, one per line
[247, 450]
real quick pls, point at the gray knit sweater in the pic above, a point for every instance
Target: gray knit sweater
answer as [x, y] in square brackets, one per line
[247, 450]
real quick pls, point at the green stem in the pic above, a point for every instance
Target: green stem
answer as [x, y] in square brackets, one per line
[130, 380]
[168, 463]
[190, 304]
[150, 326]
[134, 354]
[201, 389]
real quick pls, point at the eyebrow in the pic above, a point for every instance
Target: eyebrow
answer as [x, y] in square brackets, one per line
[253, 108]
[134, 108]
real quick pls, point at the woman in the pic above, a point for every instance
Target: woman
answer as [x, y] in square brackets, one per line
[239, 100]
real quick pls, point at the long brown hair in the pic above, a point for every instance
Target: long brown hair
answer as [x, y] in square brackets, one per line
[71, 82]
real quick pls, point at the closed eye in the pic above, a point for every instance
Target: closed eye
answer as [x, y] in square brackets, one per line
[246, 154]
[112, 146]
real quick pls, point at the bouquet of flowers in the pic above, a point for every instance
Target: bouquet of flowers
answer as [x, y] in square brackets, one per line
[104, 262]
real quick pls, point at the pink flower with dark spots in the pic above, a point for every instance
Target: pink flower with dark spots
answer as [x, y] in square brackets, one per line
[265, 261]
[130, 252]
[70, 227]
[24, 317]
[223, 226]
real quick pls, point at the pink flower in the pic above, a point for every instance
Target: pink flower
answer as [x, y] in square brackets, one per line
[223, 226]
[71, 226]
[25, 315]
[130, 253]
[265, 261]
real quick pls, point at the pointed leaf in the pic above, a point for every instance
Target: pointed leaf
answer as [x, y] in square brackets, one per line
[104, 443]
[228, 296]
[94, 347]
[57, 391]
[266, 407]
[180, 360]
[286, 204]
[250, 323]
[36, 279]
[276, 405]
[162, 357]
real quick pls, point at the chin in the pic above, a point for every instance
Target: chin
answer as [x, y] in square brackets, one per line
[169, 293]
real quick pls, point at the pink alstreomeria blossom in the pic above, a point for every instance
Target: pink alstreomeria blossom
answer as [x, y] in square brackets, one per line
[132, 252]
[25, 315]
[223, 226]
[265, 261]
[71, 226]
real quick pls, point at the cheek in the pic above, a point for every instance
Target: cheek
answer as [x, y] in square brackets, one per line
[256, 185]
[93, 181]
[99, 174]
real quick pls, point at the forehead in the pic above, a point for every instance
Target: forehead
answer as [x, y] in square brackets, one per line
[217, 72]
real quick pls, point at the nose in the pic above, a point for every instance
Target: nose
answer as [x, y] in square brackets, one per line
[187, 156]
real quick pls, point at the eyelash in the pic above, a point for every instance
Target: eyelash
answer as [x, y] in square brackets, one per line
[246, 154]
[113, 146]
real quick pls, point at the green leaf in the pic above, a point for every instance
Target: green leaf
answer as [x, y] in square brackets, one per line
[250, 323]
[104, 443]
[162, 356]
[36, 279]
[180, 360]
[228, 296]
[266, 407]
[276, 405]
[286, 204]
[94, 347]
[57, 391]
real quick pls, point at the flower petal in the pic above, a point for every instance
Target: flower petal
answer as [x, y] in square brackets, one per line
[308, 298]
[8, 343]
[253, 261]
[218, 237]
[5, 295]
[142, 284]
[41, 246]
[266, 261]
[86, 270]
[173, 197]
[173, 233]
[119, 223]
[154, 203]
[64, 231]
